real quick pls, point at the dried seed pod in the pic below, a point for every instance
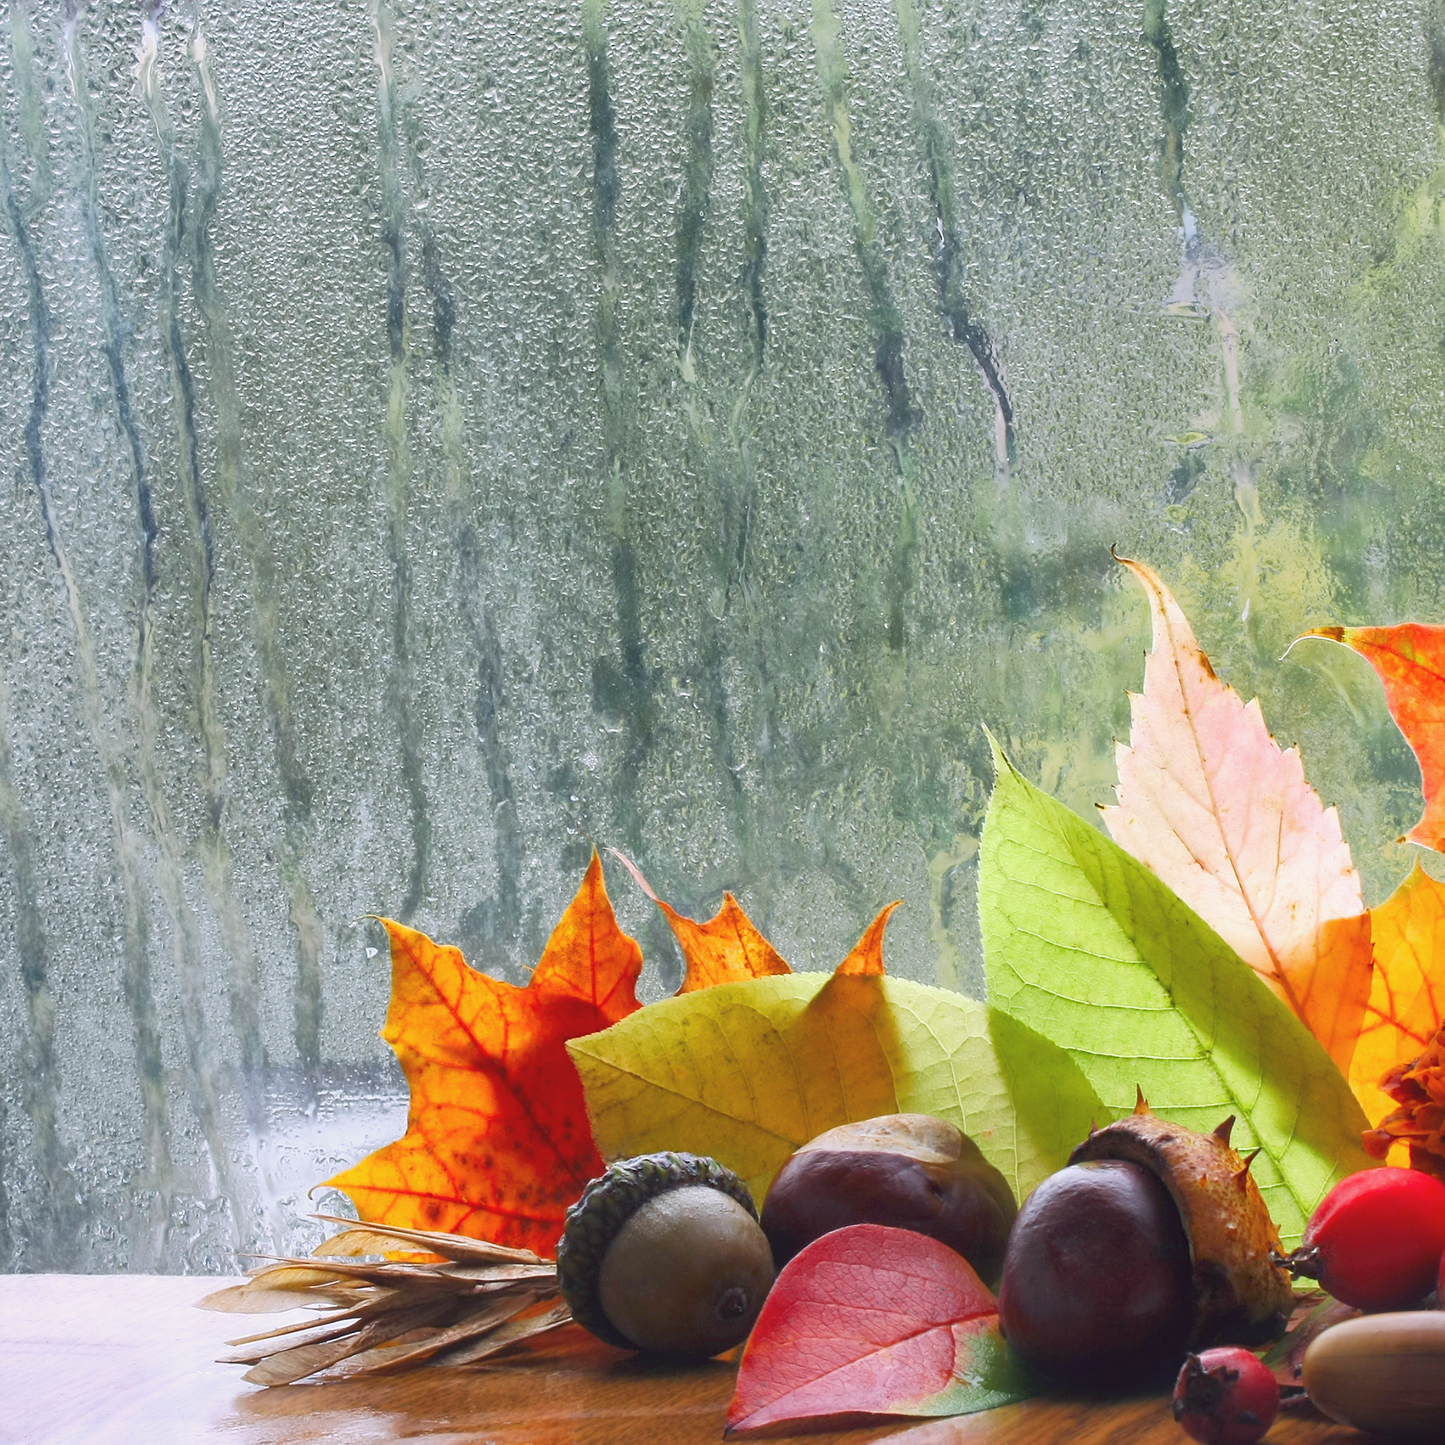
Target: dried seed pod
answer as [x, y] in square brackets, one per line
[1241, 1296]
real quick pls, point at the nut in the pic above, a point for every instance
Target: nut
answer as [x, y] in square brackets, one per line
[1096, 1290]
[909, 1171]
[664, 1253]
[1241, 1296]
[1384, 1373]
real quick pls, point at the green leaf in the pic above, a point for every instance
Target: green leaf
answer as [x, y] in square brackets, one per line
[1087, 947]
[746, 1072]
[987, 1374]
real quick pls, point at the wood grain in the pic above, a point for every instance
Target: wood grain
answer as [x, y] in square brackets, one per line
[126, 1360]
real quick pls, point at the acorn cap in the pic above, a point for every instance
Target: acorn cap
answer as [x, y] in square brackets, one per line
[607, 1203]
[1241, 1297]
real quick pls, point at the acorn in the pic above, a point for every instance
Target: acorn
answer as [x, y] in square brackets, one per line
[664, 1253]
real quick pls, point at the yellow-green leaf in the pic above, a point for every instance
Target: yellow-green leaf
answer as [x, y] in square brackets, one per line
[1086, 946]
[749, 1071]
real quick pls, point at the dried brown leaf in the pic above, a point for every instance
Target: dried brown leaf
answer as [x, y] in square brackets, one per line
[354, 1243]
[295, 1364]
[456, 1247]
[285, 1272]
[246, 1299]
[368, 1361]
[265, 1348]
[499, 1274]
[479, 1322]
[512, 1333]
[367, 1272]
[299, 1327]
[385, 1311]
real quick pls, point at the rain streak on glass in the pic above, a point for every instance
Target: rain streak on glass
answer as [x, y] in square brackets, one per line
[442, 437]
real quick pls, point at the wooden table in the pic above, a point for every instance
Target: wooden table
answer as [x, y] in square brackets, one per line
[126, 1360]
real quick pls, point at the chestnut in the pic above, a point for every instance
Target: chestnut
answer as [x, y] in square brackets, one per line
[910, 1171]
[1153, 1241]
[1096, 1290]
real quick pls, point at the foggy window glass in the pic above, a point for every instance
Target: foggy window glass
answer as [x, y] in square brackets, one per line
[439, 437]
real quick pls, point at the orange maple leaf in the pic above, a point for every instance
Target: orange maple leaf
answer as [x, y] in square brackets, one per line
[725, 949]
[1210, 803]
[729, 949]
[867, 956]
[1410, 660]
[1407, 998]
[497, 1143]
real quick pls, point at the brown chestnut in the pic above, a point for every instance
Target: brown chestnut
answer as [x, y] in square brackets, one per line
[1097, 1290]
[911, 1171]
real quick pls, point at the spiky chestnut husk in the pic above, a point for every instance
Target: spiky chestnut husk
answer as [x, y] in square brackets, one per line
[1241, 1296]
[607, 1203]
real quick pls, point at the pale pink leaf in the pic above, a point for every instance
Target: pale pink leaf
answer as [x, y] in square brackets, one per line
[1212, 805]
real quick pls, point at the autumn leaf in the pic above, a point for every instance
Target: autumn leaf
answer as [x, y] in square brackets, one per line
[497, 1144]
[866, 958]
[1314, 1313]
[725, 949]
[748, 1072]
[1410, 659]
[1407, 999]
[1418, 1087]
[1212, 805]
[1087, 947]
[876, 1321]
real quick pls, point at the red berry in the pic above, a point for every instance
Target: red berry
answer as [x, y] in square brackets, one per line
[1376, 1240]
[1225, 1397]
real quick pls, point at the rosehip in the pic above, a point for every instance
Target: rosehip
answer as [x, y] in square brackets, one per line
[1376, 1240]
[1225, 1397]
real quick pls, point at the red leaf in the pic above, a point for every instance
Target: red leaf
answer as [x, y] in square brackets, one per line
[878, 1321]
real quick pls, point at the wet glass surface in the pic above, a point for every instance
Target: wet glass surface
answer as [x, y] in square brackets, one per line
[441, 436]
